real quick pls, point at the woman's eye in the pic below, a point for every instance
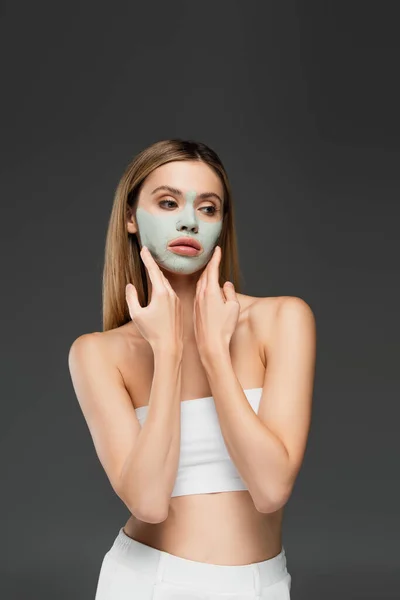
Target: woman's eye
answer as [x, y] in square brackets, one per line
[163, 202]
[169, 203]
[210, 212]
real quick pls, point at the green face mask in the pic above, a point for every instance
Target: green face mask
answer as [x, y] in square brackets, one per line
[157, 231]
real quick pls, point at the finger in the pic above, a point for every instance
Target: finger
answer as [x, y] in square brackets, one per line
[199, 281]
[153, 269]
[229, 291]
[202, 282]
[164, 279]
[132, 299]
[204, 275]
[213, 269]
[167, 283]
[202, 286]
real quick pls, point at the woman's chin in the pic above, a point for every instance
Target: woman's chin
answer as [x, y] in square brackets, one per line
[180, 269]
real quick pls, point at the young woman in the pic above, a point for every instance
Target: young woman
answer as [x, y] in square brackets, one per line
[198, 398]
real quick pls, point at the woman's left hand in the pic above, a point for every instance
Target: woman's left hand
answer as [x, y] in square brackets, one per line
[215, 311]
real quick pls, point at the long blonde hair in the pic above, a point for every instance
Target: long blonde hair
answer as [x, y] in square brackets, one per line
[122, 262]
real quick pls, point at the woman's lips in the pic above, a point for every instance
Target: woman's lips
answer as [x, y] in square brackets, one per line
[184, 250]
[185, 245]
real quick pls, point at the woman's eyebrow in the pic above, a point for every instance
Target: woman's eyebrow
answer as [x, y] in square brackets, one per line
[168, 188]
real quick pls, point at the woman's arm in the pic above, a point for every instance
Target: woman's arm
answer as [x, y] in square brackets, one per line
[268, 448]
[151, 467]
[140, 462]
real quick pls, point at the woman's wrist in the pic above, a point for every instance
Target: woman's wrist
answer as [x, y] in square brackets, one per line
[166, 350]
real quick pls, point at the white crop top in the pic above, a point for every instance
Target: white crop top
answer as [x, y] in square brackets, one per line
[205, 465]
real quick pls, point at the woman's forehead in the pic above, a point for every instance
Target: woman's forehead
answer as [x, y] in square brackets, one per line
[185, 176]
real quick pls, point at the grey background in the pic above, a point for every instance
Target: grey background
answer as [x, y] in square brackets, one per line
[301, 101]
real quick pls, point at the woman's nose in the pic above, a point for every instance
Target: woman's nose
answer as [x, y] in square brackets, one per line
[187, 226]
[187, 221]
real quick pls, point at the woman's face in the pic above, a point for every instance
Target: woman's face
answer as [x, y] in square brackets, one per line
[179, 199]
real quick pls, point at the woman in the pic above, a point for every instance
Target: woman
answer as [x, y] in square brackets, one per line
[198, 398]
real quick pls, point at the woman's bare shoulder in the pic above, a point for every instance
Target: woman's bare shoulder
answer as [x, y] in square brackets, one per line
[114, 342]
[259, 304]
[265, 310]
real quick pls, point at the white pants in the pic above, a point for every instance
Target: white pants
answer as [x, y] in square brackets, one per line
[134, 571]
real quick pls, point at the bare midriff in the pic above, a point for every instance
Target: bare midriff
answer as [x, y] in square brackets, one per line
[221, 528]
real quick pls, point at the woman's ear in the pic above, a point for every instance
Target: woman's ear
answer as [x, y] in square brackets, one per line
[130, 221]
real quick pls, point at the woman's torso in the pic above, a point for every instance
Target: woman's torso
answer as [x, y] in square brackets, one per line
[220, 528]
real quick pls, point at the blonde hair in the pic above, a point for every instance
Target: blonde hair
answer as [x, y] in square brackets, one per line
[122, 261]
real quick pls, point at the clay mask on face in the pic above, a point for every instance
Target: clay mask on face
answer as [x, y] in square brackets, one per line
[157, 231]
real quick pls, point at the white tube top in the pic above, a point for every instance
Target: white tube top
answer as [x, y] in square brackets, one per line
[205, 465]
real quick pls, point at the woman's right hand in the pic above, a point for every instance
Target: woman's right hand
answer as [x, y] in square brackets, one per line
[161, 322]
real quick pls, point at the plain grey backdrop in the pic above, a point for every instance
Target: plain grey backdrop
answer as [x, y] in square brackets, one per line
[301, 101]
